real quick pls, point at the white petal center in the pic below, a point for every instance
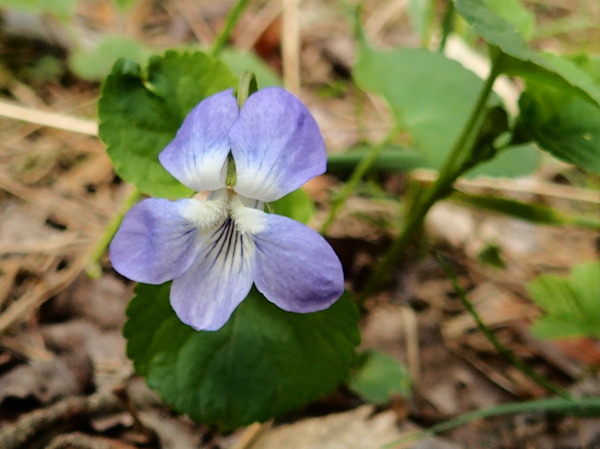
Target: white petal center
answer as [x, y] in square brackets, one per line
[206, 214]
[247, 215]
[227, 250]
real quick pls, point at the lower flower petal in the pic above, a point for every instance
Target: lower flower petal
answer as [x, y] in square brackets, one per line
[156, 241]
[206, 295]
[296, 269]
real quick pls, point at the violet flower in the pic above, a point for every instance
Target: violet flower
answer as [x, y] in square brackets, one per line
[214, 250]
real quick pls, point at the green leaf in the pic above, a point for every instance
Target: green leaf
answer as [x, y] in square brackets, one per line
[571, 305]
[96, 64]
[392, 158]
[530, 212]
[420, 13]
[519, 59]
[63, 9]
[413, 82]
[494, 28]
[510, 162]
[567, 127]
[124, 5]
[514, 13]
[239, 62]
[296, 205]
[434, 125]
[379, 377]
[586, 406]
[557, 72]
[491, 255]
[264, 362]
[141, 110]
[590, 64]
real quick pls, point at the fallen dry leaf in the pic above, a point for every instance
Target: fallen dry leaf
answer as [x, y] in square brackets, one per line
[43, 381]
[360, 428]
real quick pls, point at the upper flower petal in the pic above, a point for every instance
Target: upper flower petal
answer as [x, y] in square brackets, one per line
[206, 295]
[197, 155]
[155, 242]
[276, 145]
[296, 269]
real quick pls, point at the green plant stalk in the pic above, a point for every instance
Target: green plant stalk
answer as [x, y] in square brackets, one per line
[531, 212]
[439, 189]
[447, 25]
[246, 87]
[570, 24]
[232, 19]
[502, 350]
[464, 144]
[584, 222]
[429, 24]
[583, 406]
[92, 268]
[350, 185]
[387, 161]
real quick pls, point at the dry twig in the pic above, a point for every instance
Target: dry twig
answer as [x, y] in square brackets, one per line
[290, 46]
[42, 423]
[77, 440]
[252, 435]
[43, 291]
[51, 119]
[61, 414]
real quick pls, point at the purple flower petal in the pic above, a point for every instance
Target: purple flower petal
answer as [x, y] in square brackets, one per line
[276, 145]
[296, 269]
[206, 295]
[197, 155]
[155, 242]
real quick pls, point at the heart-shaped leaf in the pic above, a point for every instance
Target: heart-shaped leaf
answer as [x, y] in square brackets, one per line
[519, 59]
[262, 363]
[140, 112]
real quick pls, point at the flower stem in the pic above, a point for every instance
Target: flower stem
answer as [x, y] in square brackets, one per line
[232, 19]
[447, 25]
[450, 171]
[586, 406]
[502, 350]
[92, 268]
[361, 168]
[428, 23]
[246, 87]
